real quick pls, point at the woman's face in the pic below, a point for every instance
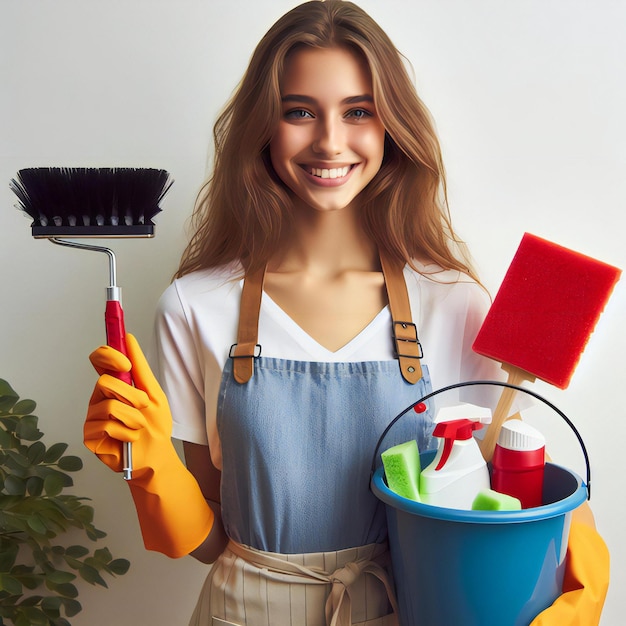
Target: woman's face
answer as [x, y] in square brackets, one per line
[330, 141]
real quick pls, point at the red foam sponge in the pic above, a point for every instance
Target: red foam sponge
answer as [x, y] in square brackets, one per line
[546, 309]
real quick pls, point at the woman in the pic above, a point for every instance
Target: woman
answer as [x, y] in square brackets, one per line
[323, 287]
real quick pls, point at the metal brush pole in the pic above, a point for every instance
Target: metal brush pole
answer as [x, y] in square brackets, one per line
[113, 295]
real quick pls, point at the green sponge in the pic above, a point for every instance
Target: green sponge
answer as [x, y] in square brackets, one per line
[402, 469]
[490, 500]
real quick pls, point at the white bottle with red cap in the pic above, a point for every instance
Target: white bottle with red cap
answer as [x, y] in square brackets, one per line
[458, 471]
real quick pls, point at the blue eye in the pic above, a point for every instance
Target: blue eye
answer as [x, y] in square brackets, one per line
[297, 114]
[358, 114]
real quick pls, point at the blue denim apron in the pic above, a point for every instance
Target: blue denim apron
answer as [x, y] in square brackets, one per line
[308, 538]
[298, 437]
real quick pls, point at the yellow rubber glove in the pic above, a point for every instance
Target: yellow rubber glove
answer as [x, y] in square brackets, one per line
[173, 514]
[585, 584]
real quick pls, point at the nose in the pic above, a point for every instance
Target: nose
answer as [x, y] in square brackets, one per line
[330, 137]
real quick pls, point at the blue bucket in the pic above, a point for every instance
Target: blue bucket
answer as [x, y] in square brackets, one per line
[479, 568]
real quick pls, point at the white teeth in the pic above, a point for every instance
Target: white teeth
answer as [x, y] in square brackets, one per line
[335, 172]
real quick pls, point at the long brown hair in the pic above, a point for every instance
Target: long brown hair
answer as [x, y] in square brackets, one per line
[243, 209]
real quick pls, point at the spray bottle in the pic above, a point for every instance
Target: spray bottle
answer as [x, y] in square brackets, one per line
[518, 463]
[458, 471]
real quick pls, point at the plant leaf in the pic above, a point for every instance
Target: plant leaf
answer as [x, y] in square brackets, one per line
[30, 581]
[84, 513]
[6, 441]
[34, 485]
[92, 575]
[16, 458]
[55, 452]
[72, 607]
[119, 566]
[73, 563]
[76, 551]
[8, 555]
[53, 485]
[66, 590]
[31, 601]
[32, 616]
[51, 606]
[8, 397]
[70, 463]
[27, 428]
[59, 577]
[14, 486]
[10, 584]
[36, 524]
[6, 389]
[94, 534]
[103, 555]
[36, 453]
[24, 407]
[46, 470]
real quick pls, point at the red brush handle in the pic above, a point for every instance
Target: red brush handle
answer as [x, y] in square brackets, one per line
[116, 333]
[116, 338]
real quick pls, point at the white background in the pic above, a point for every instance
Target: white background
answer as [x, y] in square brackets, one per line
[529, 99]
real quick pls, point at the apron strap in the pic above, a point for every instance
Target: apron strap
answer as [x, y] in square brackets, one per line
[405, 340]
[338, 609]
[406, 343]
[247, 349]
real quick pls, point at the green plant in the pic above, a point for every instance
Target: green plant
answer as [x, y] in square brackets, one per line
[37, 569]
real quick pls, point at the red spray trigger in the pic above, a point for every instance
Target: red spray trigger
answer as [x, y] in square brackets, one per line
[451, 431]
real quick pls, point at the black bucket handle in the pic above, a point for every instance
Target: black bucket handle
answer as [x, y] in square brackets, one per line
[499, 384]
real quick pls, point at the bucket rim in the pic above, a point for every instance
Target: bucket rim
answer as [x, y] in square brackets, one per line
[546, 511]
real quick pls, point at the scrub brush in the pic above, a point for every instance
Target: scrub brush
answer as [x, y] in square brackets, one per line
[541, 319]
[94, 203]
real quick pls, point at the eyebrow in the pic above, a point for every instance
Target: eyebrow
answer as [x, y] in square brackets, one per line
[310, 100]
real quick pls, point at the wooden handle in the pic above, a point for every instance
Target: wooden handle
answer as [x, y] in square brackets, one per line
[503, 409]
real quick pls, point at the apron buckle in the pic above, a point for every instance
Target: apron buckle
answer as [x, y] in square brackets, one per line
[408, 350]
[256, 352]
[406, 332]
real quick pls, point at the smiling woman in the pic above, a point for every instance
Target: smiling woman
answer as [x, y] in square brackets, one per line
[328, 197]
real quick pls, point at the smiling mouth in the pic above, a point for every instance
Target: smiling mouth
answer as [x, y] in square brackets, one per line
[334, 172]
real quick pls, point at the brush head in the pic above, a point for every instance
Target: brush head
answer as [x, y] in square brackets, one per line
[546, 309]
[91, 202]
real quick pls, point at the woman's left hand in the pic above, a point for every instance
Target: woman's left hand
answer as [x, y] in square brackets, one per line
[585, 584]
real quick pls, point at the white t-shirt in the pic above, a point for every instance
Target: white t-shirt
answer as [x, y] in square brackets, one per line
[197, 319]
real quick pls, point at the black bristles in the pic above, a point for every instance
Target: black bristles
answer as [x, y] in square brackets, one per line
[91, 202]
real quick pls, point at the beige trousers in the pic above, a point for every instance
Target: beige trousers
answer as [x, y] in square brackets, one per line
[248, 587]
